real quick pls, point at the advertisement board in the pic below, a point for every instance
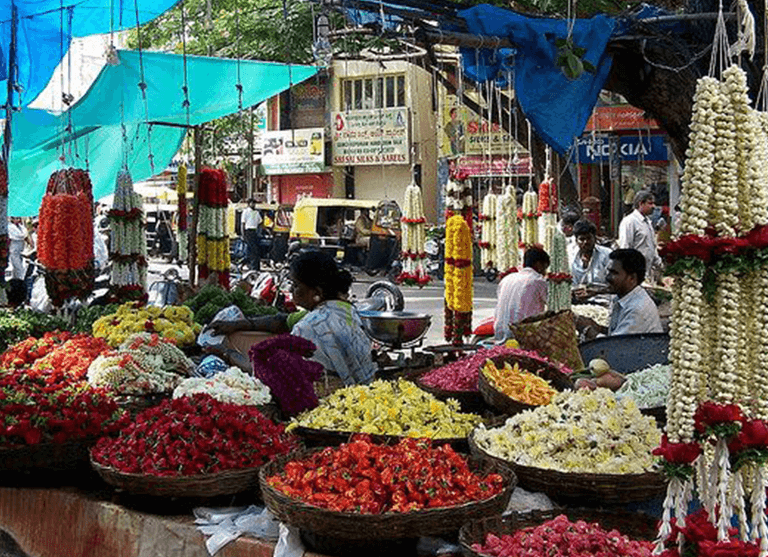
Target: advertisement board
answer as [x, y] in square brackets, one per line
[596, 148]
[367, 137]
[299, 151]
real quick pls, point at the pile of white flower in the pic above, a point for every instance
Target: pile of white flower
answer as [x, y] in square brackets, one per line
[233, 386]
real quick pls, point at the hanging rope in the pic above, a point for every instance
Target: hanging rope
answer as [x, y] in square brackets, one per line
[143, 87]
[240, 111]
[185, 86]
[720, 49]
[761, 103]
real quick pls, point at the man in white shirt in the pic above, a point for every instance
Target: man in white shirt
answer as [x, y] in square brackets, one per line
[250, 221]
[567, 223]
[636, 230]
[521, 294]
[17, 234]
[590, 265]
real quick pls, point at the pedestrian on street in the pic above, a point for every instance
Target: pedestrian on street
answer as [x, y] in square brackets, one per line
[17, 235]
[636, 231]
[250, 224]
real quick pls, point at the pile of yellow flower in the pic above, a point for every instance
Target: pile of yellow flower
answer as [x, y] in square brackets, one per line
[389, 408]
[170, 322]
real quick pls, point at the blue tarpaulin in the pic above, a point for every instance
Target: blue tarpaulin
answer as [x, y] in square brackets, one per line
[115, 102]
[557, 107]
[45, 28]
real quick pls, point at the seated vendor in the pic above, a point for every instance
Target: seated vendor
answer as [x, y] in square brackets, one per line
[331, 322]
[590, 265]
[633, 311]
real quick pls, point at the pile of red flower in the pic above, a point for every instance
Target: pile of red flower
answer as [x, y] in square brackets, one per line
[56, 360]
[61, 412]
[560, 537]
[700, 540]
[191, 436]
[364, 477]
[462, 374]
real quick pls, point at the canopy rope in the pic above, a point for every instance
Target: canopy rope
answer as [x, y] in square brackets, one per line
[143, 87]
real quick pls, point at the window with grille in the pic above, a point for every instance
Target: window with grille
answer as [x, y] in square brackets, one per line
[365, 93]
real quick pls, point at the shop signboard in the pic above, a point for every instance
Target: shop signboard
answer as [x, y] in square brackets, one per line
[642, 147]
[475, 165]
[369, 137]
[300, 151]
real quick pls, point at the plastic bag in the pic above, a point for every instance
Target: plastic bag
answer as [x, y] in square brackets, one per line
[289, 543]
[221, 526]
[229, 313]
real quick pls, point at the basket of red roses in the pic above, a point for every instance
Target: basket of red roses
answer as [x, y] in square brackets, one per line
[363, 491]
[48, 413]
[192, 446]
[568, 531]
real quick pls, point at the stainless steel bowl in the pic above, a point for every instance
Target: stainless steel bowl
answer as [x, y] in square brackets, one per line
[395, 328]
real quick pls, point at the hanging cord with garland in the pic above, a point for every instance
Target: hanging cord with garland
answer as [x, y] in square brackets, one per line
[181, 180]
[143, 87]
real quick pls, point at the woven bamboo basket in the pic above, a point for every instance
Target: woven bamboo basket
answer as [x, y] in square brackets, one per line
[46, 456]
[228, 482]
[503, 403]
[385, 526]
[582, 488]
[635, 525]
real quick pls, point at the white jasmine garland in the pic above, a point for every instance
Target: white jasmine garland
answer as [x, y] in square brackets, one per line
[488, 256]
[232, 386]
[530, 219]
[507, 232]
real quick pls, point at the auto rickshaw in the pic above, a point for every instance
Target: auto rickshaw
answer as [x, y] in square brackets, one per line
[329, 224]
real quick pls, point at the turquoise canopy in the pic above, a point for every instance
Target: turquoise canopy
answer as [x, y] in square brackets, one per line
[109, 124]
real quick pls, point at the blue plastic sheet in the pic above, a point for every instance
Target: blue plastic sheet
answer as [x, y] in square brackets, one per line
[114, 102]
[557, 107]
[46, 27]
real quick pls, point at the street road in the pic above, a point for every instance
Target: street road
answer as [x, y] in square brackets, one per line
[428, 299]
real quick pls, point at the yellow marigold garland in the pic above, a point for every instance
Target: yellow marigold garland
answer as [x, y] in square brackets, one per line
[458, 279]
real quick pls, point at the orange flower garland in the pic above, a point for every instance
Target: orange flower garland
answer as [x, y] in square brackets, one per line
[65, 235]
[458, 279]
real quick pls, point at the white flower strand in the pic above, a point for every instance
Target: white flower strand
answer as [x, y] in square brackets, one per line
[559, 292]
[757, 500]
[507, 232]
[530, 220]
[488, 231]
[737, 503]
[759, 365]
[696, 184]
[723, 467]
[725, 386]
[724, 210]
[128, 237]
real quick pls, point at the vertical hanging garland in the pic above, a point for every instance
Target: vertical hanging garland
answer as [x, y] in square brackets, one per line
[3, 214]
[458, 198]
[414, 236]
[65, 236]
[488, 234]
[559, 278]
[719, 385]
[212, 238]
[128, 245]
[548, 207]
[458, 280]
[530, 219]
[507, 233]
[181, 193]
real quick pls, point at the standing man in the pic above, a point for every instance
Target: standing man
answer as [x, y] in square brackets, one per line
[522, 294]
[636, 231]
[250, 222]
[17, 235]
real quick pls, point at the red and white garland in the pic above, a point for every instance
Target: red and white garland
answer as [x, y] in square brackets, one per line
[413, 237]
[128, 243]
[212, 237]
[719, 386]
[559, 278]
[548, 207]
[530, 219]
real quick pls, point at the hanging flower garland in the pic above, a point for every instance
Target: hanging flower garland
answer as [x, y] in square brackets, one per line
[458, 280]
[414, 235]
[547, 210]
[128, 244]
[507, 233]
[530, 219]
[559, 278]
[488, 235]
[458, 197]
[65, 235]
[719, 386]
[181, 193]
[4, 244]
[212, 238]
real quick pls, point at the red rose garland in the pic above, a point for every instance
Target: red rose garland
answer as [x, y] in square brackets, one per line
[65, 235]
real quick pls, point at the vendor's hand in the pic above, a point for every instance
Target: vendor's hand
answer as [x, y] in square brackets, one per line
[227, 327]
[580, 293]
